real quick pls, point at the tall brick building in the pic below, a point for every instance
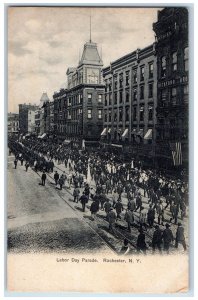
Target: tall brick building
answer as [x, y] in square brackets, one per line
[171, 31]
[13, 123]
[130, 102]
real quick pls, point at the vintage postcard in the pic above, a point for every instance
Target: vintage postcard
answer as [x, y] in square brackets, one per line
[98, 150]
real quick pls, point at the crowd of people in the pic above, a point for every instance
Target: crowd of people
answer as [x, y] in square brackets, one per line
[114, 180]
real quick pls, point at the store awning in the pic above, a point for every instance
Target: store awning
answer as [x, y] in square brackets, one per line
[148, 135]
[66, 142]
[125, 133]
[115, 145]
[42, 136]
[104, 132]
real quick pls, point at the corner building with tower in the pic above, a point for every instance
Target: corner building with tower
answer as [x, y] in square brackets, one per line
[84, 98]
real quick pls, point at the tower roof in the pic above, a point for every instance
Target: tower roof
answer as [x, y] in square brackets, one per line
[90, 55]
[44, 98]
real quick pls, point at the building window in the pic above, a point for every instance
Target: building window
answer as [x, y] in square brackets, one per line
[115, 116]
[105, 100]
[134, 94]
[151, 70]
[127, 114]
[141, 92]
[164, 95]
[174, 61]
[92, 79]
[141, 73]
[115, 85]
[121, 97]
[109, 115]
[150, 113]
[89, 97]
[142, 113]
[163, 66]
[110, 99]
[150, 90]
[115, 98]
[120, 115]
[105, 117]
[89, 113]
[100, 98]
[173, 92]
[121, 82]
[135, 113]
[135, 76]
[110, 87]
[69, 102]
[127, 78]
[99, 114]
[69, 115]
[186, 59]
[185, 89]
[127, 96]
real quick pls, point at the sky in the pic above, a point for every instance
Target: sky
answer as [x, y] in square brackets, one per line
[44, 41]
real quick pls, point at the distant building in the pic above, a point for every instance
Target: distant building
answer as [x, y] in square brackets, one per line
[49, 118]
[26, 118]
[37, 122]
[40, 120]
[13, 123]
[60, 114]
[31, 121]
[172, 51]
[130, 103]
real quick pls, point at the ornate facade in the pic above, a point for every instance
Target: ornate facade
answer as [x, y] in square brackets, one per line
[171, 31]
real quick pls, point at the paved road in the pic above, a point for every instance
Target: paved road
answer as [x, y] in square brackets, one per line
[51, 216]
[39, 220]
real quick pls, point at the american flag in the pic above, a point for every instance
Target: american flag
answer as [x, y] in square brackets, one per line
[176, 153]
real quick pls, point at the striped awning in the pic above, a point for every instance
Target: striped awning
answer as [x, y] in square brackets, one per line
[125, 133]
[66, 142]
[42, 136]
[104, 132]
[148, 135]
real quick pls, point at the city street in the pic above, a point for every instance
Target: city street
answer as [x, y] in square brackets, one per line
[44, 218]
[39, 220]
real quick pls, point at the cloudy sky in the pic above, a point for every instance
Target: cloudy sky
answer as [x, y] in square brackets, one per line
[44, 42]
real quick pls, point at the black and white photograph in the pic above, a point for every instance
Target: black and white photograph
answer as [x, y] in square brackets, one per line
[98, 147]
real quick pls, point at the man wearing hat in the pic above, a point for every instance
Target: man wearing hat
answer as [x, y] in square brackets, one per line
[167, 237]
[111, 217]
[157, 239]
[180, 238]
[119, 208]
[56, 177]
[141, 244]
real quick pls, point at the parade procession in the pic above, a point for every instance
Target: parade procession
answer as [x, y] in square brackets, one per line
[102, 164]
